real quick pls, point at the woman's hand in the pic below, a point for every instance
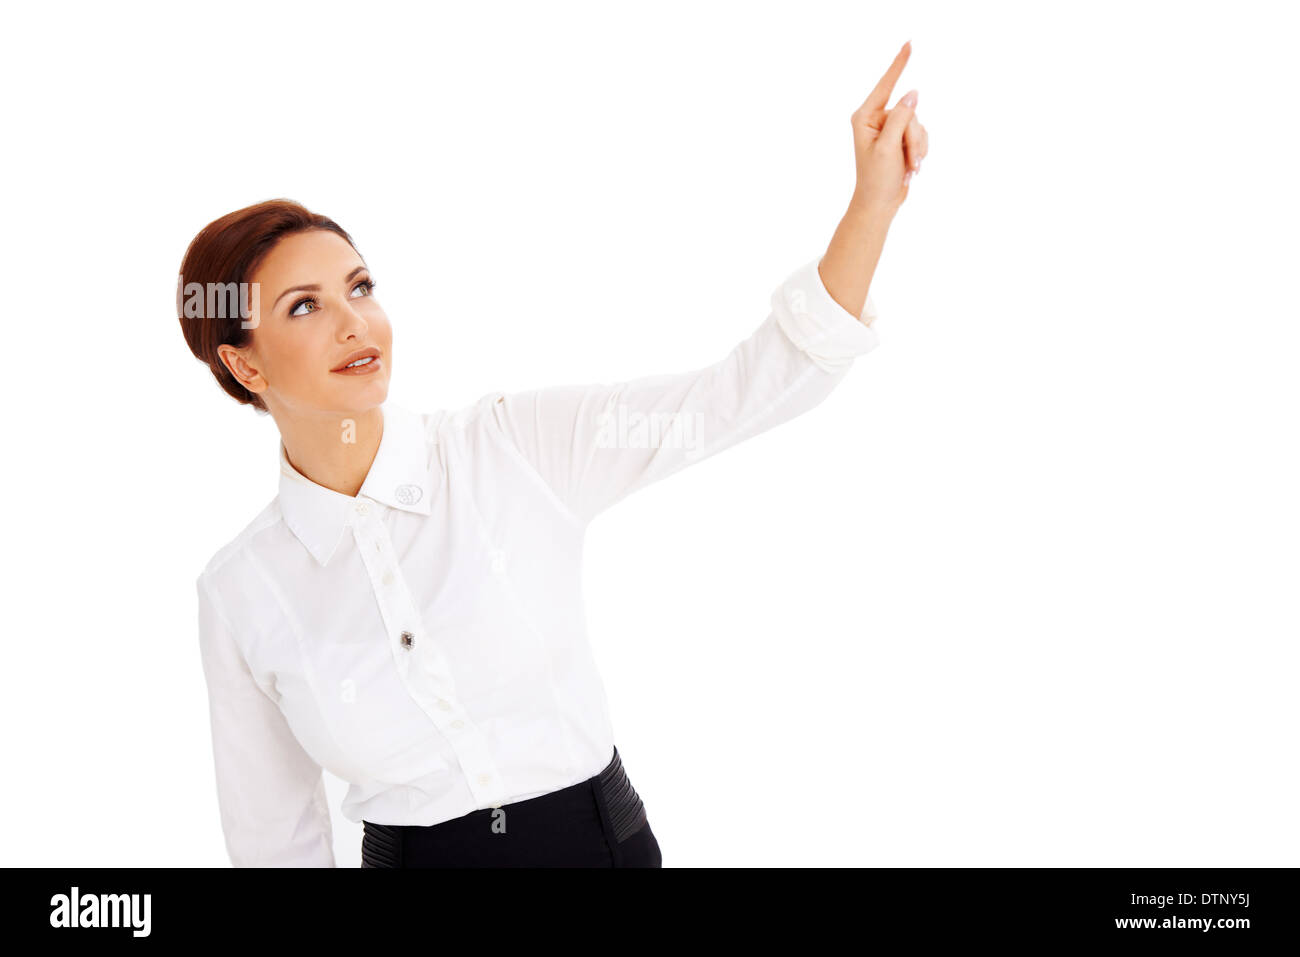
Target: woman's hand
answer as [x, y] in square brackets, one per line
[889, 144]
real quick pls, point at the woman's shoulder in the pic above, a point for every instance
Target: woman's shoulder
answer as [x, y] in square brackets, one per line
[269, 517]
[455, 425]
[459, 417]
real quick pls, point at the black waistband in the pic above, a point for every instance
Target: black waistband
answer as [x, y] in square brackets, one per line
[622, 803]
[382, 844]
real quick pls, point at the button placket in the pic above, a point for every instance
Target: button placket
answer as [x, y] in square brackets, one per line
[423, 668]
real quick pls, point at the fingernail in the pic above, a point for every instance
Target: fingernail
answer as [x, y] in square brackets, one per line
[907, 177]
[918, 166]
[910, 99]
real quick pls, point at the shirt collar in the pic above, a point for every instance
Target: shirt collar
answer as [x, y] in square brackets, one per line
[400, 476]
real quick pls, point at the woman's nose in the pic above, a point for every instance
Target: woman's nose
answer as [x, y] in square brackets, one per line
[353, 322]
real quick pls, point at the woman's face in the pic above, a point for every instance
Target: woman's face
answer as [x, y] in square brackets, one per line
[303, 337]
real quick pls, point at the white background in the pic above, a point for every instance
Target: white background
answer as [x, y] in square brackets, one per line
[1022, 591]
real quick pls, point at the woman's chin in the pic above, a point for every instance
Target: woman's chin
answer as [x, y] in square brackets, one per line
[360, 397]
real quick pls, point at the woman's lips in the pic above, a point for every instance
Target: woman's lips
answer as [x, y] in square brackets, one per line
[366, 368]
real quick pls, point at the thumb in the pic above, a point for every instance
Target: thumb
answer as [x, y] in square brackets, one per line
[899, 117]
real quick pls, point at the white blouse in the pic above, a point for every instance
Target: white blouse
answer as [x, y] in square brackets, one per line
[425, 641]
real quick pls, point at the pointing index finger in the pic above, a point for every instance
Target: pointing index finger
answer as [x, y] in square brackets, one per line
[878, 98]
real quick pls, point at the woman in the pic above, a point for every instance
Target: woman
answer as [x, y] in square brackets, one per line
[407, 611]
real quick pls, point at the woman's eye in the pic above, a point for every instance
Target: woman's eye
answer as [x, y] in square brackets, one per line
[367, 284]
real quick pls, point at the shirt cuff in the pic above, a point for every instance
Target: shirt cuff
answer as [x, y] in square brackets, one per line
[819, 326]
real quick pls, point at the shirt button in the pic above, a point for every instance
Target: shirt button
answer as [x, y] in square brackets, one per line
[388, 578]
[458, 723]
[408, 639]
[363, 508]
[498, 562]
[484, 778]
[444, 704]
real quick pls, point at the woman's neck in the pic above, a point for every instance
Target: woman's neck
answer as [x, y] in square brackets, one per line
[333, 450]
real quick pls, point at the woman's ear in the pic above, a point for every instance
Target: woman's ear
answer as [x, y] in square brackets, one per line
[235, 360]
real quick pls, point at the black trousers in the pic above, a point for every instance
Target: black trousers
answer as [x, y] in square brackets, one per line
[599, 822]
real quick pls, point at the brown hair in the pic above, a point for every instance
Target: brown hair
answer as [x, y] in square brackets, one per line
[226, 252]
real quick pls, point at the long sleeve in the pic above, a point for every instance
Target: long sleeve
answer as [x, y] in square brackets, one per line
[271, 794]
[595, 444]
